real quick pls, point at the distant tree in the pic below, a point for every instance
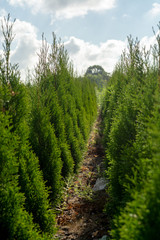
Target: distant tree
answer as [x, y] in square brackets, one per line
[97, 75]
[94, 70]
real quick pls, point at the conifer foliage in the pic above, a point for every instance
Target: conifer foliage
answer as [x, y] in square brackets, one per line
[44, 126]
[131, 136]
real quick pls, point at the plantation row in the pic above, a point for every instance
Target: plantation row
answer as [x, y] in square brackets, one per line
[131, 121]
[44, 126]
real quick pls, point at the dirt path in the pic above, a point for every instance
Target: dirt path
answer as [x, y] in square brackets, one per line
[81, 215]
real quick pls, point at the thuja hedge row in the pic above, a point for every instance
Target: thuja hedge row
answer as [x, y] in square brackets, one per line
[63, 110]
[131, 137]
[44, 126]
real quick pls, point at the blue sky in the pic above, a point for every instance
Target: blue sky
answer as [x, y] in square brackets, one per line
[93, 32]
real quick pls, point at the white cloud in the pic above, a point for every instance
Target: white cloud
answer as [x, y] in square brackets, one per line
[147, 42]
[65, 8]
[35, 7]
[3, 13]
[155, 11]
[25, 46]
[85, 54]
[107, 54]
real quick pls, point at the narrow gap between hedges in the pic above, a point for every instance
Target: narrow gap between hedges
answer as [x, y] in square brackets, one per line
[81, 216]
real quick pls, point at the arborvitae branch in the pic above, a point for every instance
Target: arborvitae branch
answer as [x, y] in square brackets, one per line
[158, 41]
[7, 31]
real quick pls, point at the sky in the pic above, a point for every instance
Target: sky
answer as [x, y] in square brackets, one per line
[93, 32]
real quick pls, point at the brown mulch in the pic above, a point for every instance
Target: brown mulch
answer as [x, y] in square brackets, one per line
[82, 217]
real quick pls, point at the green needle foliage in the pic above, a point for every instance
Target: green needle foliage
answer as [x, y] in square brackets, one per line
[131, 136]
[70, 105]
[129, 102]
[140, 218]
[30, 182]
[45, 145]
[15, 221]
[44, 126]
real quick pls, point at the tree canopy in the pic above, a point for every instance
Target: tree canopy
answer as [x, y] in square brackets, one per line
[97, 75]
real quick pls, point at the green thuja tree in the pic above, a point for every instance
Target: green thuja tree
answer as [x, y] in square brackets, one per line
[42, 132]
[45, 145]
[31, 178]
[44, 126]
[129, 101]
[89, 101]
[73, 142]
[15, 221]
[61, 94]
[16, 102]
[141, 217]
[66, 91]
[57, 120]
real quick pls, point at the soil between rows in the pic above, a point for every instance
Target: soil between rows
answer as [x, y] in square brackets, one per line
[82, 217]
